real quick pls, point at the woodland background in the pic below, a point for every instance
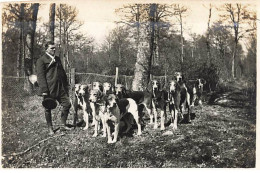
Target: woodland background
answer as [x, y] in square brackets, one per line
[146, 35]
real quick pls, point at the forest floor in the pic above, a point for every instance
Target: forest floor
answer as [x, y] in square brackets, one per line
[222, 134]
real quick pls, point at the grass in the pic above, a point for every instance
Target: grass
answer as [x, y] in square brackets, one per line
[222, 135]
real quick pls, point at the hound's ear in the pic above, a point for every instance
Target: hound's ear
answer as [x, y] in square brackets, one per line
[101, 88]
[100, 93]
[124, 90]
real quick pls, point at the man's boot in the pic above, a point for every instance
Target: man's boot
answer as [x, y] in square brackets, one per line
[64, 116]
[49, 121]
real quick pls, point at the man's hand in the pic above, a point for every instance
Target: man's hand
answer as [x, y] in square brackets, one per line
[45, 94]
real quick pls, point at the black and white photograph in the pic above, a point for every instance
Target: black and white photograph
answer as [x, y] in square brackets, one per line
[129, 84]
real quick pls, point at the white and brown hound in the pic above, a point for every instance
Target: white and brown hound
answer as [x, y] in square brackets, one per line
[97, 86]
[98, 107]
[117, 110]
[188, 90]
[107, 88]
[177, 97]
[82, 102]
[160, 98]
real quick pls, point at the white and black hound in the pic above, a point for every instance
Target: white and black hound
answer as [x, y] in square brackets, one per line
[117, 110]
[142, 98]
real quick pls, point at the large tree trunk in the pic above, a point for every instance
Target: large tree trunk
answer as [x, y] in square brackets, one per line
[140, 74]
[29, 56]
[144, 60]
[51, 22]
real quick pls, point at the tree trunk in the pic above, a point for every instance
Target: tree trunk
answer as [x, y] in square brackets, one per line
[143, 62]
[19, 57]
[182, 50]
[208, 39]
[51, 22]
[29, 56]
[140, 73]
[233, 62]
[21, 43]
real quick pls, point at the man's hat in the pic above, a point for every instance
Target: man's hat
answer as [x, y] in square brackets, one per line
[49, 103]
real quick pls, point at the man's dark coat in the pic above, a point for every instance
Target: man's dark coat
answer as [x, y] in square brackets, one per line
[52, 77]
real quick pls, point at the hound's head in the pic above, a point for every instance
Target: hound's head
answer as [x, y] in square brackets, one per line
[107, 87]
[119, 88]
[97, 86]
[156, 85]
[173, 85]
[82, 89]
[111, 100]
[94, 95]
[77, 88]
[201, 83]
[178, 76]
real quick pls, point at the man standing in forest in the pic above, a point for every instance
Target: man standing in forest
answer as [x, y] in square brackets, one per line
[52, 80]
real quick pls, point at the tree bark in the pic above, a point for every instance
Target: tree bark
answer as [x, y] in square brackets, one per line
[29, 54]
[51, 22]
[208, 39]
[144, 58]
[140, 74]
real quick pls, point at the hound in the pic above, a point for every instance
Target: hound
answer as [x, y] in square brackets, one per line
[177, 98]
[142, 99]
[98, 108]
[160, 98]
[107, 87]
[189, 92]
[82, 102]
[97, 86]
[117, 110]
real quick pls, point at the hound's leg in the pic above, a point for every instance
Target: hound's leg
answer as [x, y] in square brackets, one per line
[135, 115]
[128, 125]
[109, 137]
[188, 106]
[155, 116]
[104, 126]
[162, 119]
[85, 117]
[149, 111]
[175, 119]
[75, 118]
[116, 132]
[95, 127]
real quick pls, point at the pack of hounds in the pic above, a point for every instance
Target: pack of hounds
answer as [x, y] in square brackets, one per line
[109, 105]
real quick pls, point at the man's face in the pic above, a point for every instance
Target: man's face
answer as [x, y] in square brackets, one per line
[51, 50]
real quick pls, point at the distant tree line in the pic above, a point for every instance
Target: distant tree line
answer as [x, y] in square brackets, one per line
[148, 40]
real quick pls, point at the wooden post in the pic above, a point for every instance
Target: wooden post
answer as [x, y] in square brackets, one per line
[116, 76]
